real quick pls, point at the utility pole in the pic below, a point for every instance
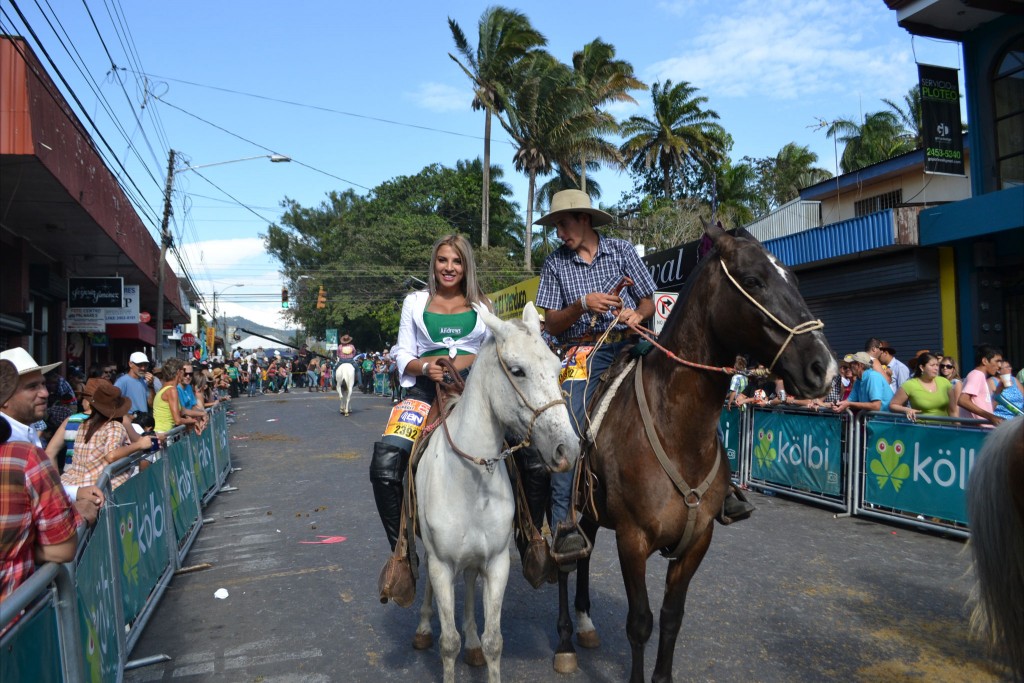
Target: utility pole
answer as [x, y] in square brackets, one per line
[165, 241]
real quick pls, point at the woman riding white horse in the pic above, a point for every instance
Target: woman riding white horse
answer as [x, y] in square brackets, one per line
[438, 322]
[464, 495]
[345, 373]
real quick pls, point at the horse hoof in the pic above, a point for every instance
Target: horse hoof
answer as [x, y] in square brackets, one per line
[565, 663]
[475, 657]
[422, 641]
[588, 639]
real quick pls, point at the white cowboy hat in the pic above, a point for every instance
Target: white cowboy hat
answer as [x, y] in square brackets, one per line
[25, 362]
[574, 201]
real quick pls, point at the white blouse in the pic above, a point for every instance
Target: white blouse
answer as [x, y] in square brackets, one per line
[414, 340]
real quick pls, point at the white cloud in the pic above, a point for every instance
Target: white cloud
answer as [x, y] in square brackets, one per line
[223, 253]
[441, 97]
[787, 49]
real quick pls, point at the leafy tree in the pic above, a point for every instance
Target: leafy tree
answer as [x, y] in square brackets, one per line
[881, 136]
[780, 178]
[681, 133]
[365, 249]
[505, 37]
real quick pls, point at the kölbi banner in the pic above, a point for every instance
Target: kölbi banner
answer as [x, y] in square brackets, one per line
[940, 120]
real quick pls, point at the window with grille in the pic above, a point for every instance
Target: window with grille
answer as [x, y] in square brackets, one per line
[880, 202]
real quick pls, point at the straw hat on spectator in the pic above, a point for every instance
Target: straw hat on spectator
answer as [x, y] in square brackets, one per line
[24, 361]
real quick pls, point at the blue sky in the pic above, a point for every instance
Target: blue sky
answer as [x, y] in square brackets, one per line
[376, 96]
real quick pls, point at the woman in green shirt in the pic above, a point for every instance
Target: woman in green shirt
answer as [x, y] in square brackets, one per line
[926, 391]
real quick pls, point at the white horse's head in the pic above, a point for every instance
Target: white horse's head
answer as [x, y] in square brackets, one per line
[524, 391]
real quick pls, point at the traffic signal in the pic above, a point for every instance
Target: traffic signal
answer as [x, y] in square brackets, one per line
[321, 299]
[284, 297]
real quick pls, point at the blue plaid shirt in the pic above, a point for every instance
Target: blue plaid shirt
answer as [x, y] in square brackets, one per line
[565, 277]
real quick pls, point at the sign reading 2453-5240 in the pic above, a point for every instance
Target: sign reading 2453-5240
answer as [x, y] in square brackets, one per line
[920, 470]
[940, 120]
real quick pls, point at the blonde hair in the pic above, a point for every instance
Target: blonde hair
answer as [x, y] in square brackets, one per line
[470, 286]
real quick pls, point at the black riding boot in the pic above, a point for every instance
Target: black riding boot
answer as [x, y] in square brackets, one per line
[736, 507]
[387, 468]
[536, 484]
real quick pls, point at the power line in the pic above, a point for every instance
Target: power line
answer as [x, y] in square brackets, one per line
[320, 108]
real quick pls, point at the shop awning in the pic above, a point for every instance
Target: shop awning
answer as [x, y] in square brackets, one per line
[134, 332]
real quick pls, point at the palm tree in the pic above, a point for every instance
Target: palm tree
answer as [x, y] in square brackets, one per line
[909, 115]
[505, 38]
[880, 137]
[550, 123]
[680, 132]
[794, 169]
[602, 79]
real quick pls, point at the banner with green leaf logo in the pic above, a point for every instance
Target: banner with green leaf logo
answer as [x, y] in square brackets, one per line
[141, 522]
[185, 507]
[803, 452]
[731, 422]
[96, 609]
[918, 468]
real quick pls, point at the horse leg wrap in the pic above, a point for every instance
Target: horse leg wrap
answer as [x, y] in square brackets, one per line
[387, 468]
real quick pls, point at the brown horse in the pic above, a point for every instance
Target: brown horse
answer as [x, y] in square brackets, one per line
[739, 300]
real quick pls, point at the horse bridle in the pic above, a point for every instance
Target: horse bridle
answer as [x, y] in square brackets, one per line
[489, 463]
[802, 328]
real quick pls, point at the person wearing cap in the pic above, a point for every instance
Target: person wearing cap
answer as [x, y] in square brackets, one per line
[137, 383]
[870, 389]
[38, 523]
[103, 439]
[576, 291]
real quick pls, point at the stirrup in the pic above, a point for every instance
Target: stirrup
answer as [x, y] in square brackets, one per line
[563, 529]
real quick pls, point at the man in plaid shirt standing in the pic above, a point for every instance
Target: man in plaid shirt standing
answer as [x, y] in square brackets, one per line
[38, 523]
[576, 285]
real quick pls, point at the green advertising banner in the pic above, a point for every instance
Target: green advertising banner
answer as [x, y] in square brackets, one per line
[731, 422]
[202, 460]
[803, 452]
[32, 652]
[185, 506]
[96, 607]
[920, 469]
[141, 521]
[221, 449]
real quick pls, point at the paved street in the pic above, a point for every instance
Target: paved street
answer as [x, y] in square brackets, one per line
[790, 595]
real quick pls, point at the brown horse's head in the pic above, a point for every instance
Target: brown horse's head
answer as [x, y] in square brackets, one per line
[755, 308]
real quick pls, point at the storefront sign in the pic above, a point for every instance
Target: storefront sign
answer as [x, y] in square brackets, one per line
[96, 292]
[509, 302]
[129, 312]
[86, 320]
[940, 120]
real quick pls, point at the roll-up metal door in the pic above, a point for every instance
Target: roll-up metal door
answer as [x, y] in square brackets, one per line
[893, 297]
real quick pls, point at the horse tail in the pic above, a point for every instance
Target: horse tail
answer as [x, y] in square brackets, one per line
[997, 541]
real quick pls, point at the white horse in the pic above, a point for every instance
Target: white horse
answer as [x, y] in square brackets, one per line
[465, 501]
[345, 380]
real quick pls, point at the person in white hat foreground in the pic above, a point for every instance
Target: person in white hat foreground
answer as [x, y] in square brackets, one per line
[27, 404]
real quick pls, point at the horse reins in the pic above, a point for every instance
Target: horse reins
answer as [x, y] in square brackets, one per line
[489, 463]
[802, 328]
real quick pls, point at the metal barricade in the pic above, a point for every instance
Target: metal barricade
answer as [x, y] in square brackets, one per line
[915, 473]
[802, 453]
[80, 620]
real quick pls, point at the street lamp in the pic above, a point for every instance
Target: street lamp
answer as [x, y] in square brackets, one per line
[215, 293]
[165, 236]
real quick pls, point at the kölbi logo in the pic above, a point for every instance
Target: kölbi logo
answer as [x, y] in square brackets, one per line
[944, 469]
[803, 451]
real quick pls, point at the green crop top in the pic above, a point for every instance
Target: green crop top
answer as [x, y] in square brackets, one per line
[443, 325]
